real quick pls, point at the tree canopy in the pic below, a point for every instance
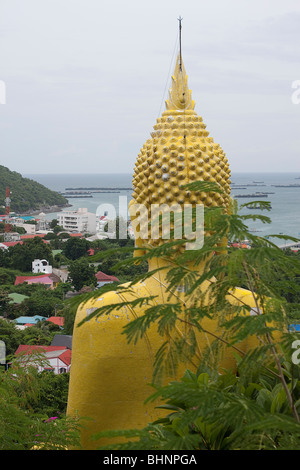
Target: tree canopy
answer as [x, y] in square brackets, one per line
[21, 256]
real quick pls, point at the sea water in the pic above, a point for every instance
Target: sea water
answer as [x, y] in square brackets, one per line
[285, 201]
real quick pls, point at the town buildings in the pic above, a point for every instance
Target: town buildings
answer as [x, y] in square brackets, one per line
[79, 220]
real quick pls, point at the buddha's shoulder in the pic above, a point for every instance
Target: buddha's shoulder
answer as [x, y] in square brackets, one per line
[122, 302]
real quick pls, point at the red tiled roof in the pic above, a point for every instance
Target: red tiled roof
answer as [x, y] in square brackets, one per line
[21, 279]
[12, 243]
[28, 235]
[57, 320]
[25, 348]
[42, 278]
[239, 245]
[66, 357]
[102, 277]
[19, 242]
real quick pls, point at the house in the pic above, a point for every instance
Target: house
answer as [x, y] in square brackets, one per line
[41, 266]
[6, 245]
[12, 237]
[23, 223]
[61, 273]
[41, 221]
[23, 218]
[103, 278]
[23, 321]
[59, 321]
[52, 358]
[49, 280]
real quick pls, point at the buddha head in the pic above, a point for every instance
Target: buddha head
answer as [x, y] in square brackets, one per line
[180, 151]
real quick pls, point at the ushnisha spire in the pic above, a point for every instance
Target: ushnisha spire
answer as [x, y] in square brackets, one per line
[179, 152]
[180, 97]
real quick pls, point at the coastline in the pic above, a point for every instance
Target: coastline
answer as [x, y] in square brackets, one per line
[46, 210]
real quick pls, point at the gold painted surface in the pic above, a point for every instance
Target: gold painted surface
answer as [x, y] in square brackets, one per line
[109, 379]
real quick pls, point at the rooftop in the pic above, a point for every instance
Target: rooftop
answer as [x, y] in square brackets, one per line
[57, 320]
[50, 352]
[102, 277]
[29, 320]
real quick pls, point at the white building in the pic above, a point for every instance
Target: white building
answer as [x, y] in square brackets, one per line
[77, 221]
[52, 358]
[29, 228]
[41, 266]
[41, 223]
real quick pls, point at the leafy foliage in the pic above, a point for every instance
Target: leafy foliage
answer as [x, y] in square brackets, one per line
[81, 273]
[211, 411]
[26, 407]
[20, 256]
[211, 408]
[75, 248]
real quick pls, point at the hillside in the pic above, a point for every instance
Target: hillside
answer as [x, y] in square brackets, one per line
[27, 195]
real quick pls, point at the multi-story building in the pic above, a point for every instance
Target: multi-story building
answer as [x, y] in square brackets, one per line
[79, 220]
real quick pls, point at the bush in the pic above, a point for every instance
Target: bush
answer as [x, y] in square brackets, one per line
[28, 419]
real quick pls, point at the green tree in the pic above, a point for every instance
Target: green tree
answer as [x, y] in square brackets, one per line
[69, 319]
[11, 336]
[41, 334]
[53, 223]
[42, 301]
[64, 235]
[110, 257]
[21, 256]
[50, 236]
[57, 229]
[4, 258]
[81, 273]
[75, 248]
[53, 394]
[32, 409]
[4, 303]
[61, 289]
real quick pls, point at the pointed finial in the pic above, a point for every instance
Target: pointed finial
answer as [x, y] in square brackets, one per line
[180, 54]
[180, 97]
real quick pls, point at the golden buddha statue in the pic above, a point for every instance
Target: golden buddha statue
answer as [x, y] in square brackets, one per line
[109, 379]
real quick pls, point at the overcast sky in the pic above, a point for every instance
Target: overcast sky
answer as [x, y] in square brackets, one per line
[87, 79]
